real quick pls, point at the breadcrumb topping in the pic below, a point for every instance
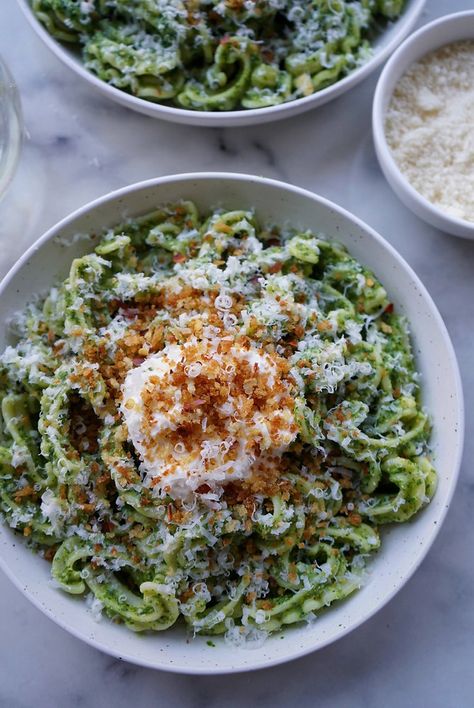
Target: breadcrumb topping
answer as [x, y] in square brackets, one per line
[208, 412]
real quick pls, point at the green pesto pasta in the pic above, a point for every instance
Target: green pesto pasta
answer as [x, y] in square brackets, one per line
[219, 55]
[209, 421]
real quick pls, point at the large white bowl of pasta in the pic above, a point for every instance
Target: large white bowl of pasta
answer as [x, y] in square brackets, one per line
[217, 432]
[222, 63]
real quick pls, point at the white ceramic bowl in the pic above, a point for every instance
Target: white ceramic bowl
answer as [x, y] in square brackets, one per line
[384, 46]
[451, 28]
[403, 546]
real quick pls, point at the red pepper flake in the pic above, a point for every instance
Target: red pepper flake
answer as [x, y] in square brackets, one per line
[50, 553]
[276, 267]
[389, 308]
[269, 56]
[203, 489]
[179, 258]
[107, 526]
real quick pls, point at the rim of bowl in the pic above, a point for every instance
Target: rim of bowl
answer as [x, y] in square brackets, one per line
[227, 118]
[458, 392]
[433, 214]
[11, 107]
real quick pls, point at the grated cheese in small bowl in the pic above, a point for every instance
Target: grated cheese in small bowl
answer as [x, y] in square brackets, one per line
[429, 127]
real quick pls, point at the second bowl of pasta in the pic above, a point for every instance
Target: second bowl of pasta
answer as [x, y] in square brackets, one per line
[222, 63]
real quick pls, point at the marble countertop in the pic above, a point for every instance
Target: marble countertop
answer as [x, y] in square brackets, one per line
[419, 649]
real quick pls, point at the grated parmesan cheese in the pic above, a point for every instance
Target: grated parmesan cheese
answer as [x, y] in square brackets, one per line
[430, 128]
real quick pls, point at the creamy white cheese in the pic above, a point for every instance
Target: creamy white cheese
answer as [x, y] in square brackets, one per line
[206, 457]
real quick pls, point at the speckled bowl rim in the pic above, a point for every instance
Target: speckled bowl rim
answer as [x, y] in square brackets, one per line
[282, 191]
[232, 118]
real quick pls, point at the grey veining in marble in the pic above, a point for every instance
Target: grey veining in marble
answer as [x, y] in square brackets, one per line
[419, 650]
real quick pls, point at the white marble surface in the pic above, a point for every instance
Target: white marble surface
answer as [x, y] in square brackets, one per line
[419, 650]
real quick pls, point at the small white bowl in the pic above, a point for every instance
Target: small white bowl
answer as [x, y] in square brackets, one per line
[404, 545]
[445, 30]
[383, 47]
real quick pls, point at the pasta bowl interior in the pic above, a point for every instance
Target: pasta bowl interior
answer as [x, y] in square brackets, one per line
[337, 47]
[403, 545]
